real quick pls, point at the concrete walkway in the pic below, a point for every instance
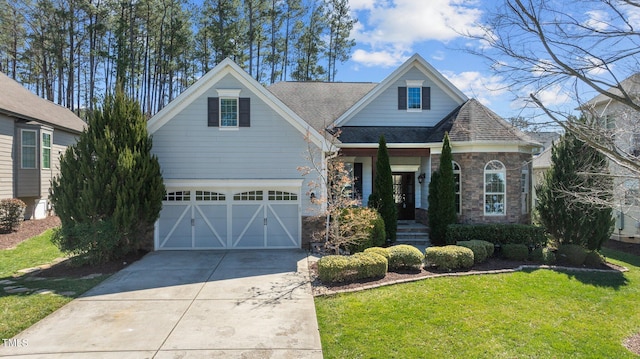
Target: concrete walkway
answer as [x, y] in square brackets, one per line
[200, 304]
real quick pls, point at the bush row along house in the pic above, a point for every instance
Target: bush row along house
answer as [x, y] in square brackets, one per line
[230, 151]
[34, 133]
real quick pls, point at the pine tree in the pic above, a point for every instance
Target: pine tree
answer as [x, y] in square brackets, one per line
[442, 200]
[109, 191]
[382, 196]
[573, 195]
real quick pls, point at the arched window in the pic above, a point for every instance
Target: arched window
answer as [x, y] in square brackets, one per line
[456, 178]
[495, 188]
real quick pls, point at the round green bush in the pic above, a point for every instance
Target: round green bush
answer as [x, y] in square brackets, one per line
[543, 255]
[479, 250]
[518, 252]
[449, 257]
[594, 259]
[488, 246]
[378, 250]
[572, 254]
[404, 256]
[334, 268]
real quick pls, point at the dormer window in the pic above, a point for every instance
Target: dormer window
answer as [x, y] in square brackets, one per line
[414, 97]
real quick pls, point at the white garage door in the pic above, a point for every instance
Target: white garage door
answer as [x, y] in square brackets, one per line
[209, 218]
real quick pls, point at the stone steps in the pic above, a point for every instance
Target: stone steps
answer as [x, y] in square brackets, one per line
[411, 232]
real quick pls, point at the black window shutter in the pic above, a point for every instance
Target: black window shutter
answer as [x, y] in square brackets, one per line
[244, 112]
[402, 98]
[426, 98]
[357, 181]
[213, 108]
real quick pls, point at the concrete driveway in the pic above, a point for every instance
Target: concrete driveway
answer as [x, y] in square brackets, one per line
[196, 304]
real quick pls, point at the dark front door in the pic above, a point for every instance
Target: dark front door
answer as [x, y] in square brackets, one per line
[404, 194]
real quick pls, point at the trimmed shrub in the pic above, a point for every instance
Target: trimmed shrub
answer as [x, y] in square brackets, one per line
[594, 259]
[479, 249]
[11, 214]
[543, 255]
[572, 254]
[518, 252]
[334, 269]
[378, 250]
[361, 228]
[449, 257]
[404, 256]
[532, 236]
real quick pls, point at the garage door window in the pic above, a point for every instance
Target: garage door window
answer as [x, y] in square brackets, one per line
[209, 196]
[282, 196]
[178, 196]
[248, 196]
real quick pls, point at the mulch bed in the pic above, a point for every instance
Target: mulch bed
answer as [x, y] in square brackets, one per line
[28, 229]
[66, 268]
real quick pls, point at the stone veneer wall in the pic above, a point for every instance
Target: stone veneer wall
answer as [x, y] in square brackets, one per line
[472, 185]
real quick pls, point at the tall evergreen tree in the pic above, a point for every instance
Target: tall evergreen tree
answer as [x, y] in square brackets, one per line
[442, 200]
[382, 196]
[109, 191]
[578, 172]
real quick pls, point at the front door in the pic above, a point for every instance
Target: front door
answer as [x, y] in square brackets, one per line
[404, 194]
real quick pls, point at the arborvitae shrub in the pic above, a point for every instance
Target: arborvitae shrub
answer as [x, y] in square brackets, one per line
[382, 197]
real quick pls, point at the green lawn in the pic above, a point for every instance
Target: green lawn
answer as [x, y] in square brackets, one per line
[20, 310]
[533, 314]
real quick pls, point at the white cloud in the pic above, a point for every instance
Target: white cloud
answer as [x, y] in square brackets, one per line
[438, 55]
[553, 96]
[378, 58]
[598, 20]
[543, 67]
[394, 26]
[477, 85]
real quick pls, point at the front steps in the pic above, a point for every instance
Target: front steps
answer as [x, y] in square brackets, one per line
[412, 232]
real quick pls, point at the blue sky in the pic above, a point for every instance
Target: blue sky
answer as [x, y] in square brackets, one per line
[390, 31]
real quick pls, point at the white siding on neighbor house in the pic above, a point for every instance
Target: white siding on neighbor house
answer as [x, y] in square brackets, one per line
[6, 157]
[383, 110]
[271, 148]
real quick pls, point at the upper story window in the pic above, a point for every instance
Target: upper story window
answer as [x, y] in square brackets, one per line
[229, 110]
[46, 150]
[495, 188]
[28, 148]
[414, 97]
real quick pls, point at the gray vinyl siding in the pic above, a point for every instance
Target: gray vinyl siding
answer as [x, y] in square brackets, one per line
[270, 149]
[60, 141]
[383, 110]
[6, 157]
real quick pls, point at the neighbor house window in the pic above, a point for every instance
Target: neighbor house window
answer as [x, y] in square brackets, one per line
[46, 150]
[494, 188]
[29, 146]
[456, 178]
[228, 112]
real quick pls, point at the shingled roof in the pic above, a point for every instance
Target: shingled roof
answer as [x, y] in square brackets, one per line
[631, 85]
[474, 122]
[320, 103]
[17, 101]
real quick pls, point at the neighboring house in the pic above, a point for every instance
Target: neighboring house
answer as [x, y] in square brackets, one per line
[34, 133]
[231, 152]
[542, 160]
[623, 124]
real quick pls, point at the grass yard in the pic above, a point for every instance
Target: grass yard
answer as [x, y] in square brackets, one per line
[534, 314]
[20, 310]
